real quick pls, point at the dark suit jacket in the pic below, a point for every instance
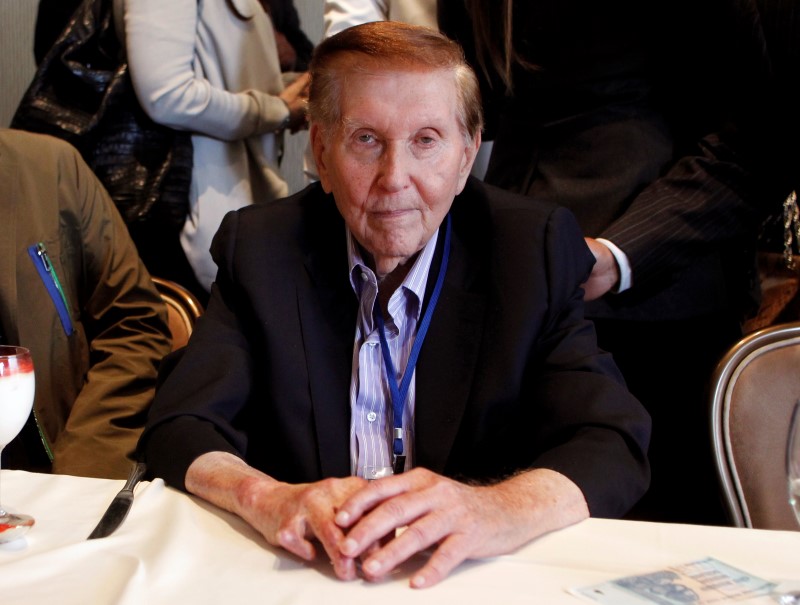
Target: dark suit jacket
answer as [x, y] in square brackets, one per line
[509, 378]
[631, 122]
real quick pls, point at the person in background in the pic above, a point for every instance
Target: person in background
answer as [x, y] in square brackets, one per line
[769, 30]
[52, 17]
[341, 14]
[157, 233]
[626, 114]
[74, 292]
[774, 27]
[294, 47]
[212, 68]
[286, 406]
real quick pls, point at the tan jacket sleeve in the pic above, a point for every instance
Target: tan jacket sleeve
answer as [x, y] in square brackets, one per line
[125, 327]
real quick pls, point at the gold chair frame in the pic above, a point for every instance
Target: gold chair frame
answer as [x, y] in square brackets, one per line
[183, 309]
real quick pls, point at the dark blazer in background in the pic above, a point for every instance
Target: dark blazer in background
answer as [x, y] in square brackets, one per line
[510, 376]
[775, 29]
[629, 122]
[636, 120]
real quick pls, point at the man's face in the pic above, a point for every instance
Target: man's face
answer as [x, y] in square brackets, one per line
[397, 161]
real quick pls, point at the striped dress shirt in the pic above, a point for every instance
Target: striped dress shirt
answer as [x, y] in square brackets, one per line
[371, 416]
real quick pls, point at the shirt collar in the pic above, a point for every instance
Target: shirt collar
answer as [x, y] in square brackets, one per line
[415, 281]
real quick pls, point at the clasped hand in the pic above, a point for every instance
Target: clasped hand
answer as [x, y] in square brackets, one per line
[355, 520]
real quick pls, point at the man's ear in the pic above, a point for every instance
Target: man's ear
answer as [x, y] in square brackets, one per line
[470, 151]
[318, 139]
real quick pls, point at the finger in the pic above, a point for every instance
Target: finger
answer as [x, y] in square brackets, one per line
[322, 507]
[292, 537]
[375, 547]
[399, 504]
[373, 494]
[300, 83]
[383, 521]
[330, 536]
[450, 554]
[418, 536]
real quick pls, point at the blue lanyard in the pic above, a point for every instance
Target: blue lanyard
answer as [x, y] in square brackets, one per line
[400, 392]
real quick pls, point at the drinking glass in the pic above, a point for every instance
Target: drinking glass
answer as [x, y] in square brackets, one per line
[16, 400]
[788, 593]
[793, 461]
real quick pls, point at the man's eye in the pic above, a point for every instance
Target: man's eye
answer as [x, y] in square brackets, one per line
[365, 138]
[426, 141]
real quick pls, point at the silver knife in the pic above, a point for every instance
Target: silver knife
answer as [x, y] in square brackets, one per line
[118, 509]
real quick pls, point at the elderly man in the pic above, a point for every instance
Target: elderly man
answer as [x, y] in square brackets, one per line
[398, 321]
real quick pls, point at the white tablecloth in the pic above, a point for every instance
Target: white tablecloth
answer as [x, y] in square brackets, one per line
[176, 549]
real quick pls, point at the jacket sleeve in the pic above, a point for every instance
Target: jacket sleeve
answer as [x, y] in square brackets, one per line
[341, 14]
[125, 322]
[201, 394]
[714, 195]
[160, 41]
[704, 202]
[599, 432]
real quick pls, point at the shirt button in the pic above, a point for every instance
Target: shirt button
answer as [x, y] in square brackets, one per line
[364, 276]
[372, 416]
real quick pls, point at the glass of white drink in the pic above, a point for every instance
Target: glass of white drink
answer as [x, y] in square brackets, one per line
[16, 400]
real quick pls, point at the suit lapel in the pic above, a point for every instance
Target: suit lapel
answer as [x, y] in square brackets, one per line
[327, 308]
[447, 361]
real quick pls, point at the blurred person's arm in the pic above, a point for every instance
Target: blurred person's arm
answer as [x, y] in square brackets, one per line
[160, 40]
[341, 14]
[126, 330]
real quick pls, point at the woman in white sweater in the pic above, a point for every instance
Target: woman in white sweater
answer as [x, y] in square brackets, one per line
[211, 67]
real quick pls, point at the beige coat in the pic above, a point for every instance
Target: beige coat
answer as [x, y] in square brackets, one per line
[211, 67]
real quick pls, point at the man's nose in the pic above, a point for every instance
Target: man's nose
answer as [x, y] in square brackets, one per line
[394, 167]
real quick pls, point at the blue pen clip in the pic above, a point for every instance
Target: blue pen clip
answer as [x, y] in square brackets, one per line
[47, 272]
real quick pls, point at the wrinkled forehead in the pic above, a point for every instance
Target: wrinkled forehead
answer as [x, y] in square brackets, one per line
[342, 75]
[355, 75]
[349, 64]
[397, 99]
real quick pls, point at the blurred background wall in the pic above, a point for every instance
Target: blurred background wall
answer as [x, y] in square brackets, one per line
[17, 19]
